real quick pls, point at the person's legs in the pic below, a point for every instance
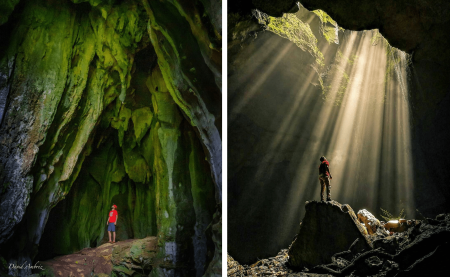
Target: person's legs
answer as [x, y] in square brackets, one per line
[114, 236]
[111, 229]
[322, 188]
[327, 183]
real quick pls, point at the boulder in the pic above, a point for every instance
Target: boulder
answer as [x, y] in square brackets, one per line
[327, 228]
[369, 220]
[135, 257]
[397, 225]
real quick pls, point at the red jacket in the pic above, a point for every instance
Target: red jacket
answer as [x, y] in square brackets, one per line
[324, 169]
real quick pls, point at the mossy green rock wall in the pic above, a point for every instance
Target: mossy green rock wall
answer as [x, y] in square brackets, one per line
[100, 112]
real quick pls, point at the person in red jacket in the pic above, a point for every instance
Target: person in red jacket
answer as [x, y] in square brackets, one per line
[111, 222]
[324, 178]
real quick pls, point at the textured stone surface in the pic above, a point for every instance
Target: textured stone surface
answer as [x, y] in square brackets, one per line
[413, 26]
[419, 251]
[369, 220]
[124, 258]
[326, 229]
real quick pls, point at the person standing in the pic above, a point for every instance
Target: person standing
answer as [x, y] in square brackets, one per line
[324, 178]
[111, 222]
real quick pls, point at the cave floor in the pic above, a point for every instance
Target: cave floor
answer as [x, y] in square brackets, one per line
[92, 261]
[275, 266]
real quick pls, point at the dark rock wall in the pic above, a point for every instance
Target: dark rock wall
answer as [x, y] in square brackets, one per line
[110, 102]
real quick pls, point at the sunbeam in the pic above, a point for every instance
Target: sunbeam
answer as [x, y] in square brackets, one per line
[287, 110]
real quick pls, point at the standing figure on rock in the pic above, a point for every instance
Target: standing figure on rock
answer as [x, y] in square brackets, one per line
[111, 222]
[324, 178]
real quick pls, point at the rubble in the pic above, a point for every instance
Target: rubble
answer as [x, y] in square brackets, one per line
[275, 266]
[420, 250]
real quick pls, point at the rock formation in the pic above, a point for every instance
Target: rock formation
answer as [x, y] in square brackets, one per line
[108, 101]
[419, 251]
[326, 229]
[124, 258]
[369, 220]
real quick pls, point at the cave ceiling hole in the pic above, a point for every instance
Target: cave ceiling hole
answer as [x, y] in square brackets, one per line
[354, 110]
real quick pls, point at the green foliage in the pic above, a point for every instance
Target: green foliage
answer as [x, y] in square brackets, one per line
[376, 37]
[290, 27]
[340, 83]
[349, 60]
[47, 272]
[388, 216]
[324, 17]
[393, 55]
[329, 28]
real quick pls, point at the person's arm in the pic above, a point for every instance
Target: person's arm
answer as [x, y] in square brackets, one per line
[117, 217]
[328, 169]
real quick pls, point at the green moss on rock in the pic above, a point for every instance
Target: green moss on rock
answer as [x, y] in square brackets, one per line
[142, 119]
[72, 86]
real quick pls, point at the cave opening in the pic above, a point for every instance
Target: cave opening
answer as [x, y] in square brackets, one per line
[304, 88]
[120, 168]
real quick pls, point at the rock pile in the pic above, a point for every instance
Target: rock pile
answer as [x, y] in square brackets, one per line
[421, 250]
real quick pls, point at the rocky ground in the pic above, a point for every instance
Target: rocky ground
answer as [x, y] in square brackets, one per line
[276, 266]
[133, 257]
[420, 249]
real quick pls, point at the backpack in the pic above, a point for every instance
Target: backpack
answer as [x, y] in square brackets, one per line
[323, 169]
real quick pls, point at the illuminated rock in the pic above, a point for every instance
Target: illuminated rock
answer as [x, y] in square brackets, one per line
[326, 229]
[370, 221]
[398, 225]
